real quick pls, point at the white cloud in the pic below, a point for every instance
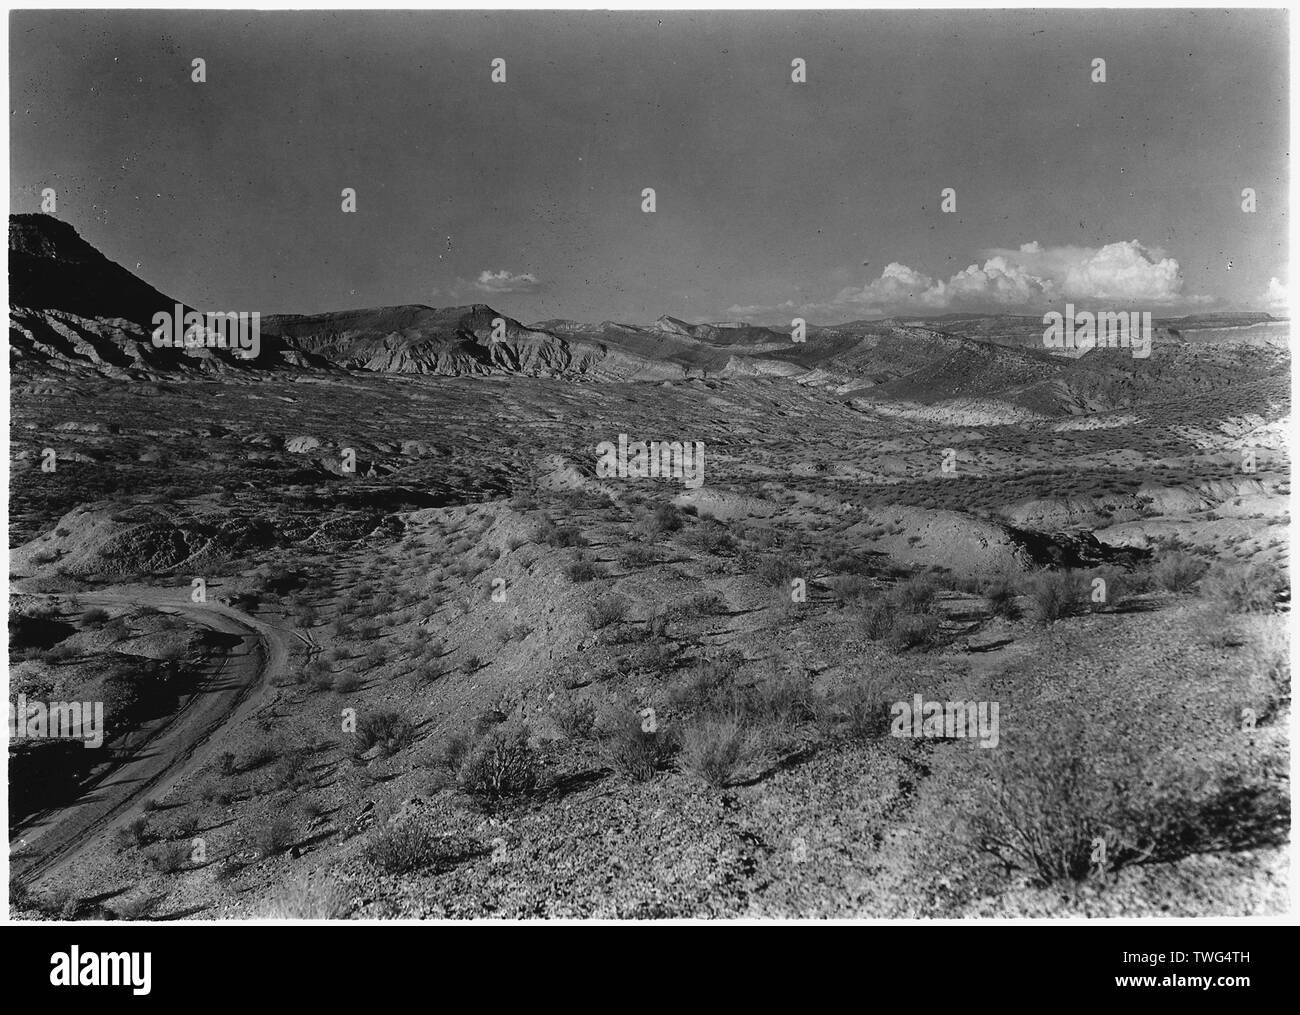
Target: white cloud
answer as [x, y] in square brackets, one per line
[1277, 296]
[1028, 277]
[506, 282]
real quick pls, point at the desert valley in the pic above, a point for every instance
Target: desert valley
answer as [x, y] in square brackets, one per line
[375, 634]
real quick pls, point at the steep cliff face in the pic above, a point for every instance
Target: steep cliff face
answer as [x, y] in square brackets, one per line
[52, 268]
[73, 311]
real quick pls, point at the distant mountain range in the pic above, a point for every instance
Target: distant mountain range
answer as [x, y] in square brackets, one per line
[73, 311]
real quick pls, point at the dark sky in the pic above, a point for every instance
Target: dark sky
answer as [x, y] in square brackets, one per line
[774, 199]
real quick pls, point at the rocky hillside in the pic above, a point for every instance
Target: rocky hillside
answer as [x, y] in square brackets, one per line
[73, 311]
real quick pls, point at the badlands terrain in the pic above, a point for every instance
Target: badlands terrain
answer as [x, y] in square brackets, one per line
[375, 639]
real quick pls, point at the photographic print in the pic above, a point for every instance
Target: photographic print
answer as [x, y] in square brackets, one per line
[722, 465]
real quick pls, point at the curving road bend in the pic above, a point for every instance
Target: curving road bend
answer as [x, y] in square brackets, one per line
[170, 749]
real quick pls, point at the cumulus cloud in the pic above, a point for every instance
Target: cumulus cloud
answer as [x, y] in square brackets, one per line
[506, 282]
[1027, 277]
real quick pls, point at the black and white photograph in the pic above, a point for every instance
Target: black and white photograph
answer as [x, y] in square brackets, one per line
[648, 466]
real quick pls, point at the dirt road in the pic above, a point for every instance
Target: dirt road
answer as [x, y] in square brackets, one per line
[172, 748]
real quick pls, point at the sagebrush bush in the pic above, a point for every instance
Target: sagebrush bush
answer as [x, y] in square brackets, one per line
[1244, 588]
[1054, 595]
[715, 749]
[167, 857]
[581, 569]
[260, 754]
[501, 764]
[1178, 571]
[389, 730]
[635, 752]
[916, 630]
[404, 848]
[1057, 806]
[606, 610]
[663, 519]
[708, 686]
[877, 618]
[776, 570]
[306, 900]
[272, 836]
[576, 719]
[1000, 595]
[850, 587]
[860, 709]
[916, 595]
[134, 833]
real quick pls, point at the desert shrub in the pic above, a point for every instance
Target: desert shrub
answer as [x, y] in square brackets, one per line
[912, 631]
[1053, 804]
[860, 709]
[386, 729]
[782, 698]
[500, 764]
[708, 686]
[776, 570]
[1270, 659]
[1244, 588]
[704, 604]
[654, 656]
[606, 610]
[454, 751]
[877, 618]
[261, 754]
[167, 857]
[94, 616]
[428, 670]
[133, 833]
[291, 769]
[915, 595]
[636, 556]
[138, 907]
[305, 900]
[346, 682]
[1054, 595]
[273, 835]
[558, 535]
[577, 719]
[850, 587]
[1178, 571]
[404, 848]
[663, 519]
[634, 752]
[1000, 595]
[710, 537]
[1043, 806]
[714, 749]
[580, 569]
